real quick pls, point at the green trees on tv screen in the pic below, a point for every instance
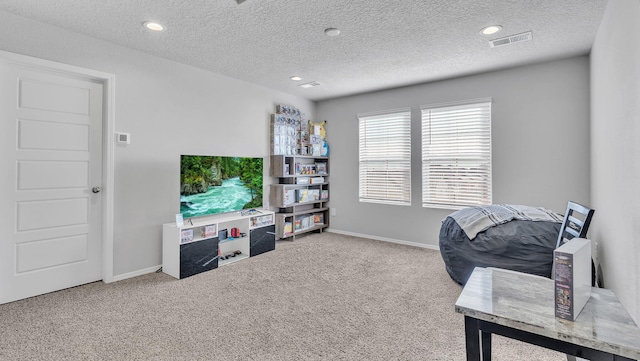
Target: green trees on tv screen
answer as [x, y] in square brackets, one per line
[199, 173]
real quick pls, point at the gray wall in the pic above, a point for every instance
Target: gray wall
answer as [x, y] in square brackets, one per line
[169, 109]
[540, 117]
[615, 129]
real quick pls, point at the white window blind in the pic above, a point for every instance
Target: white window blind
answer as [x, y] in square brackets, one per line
[385, 157]
[456, 154]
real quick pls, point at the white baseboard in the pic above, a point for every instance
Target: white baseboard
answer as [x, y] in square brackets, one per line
[137, 273]
[145, 271]
[384, 239]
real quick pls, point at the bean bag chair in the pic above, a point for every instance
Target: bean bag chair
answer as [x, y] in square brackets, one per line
[513, 241]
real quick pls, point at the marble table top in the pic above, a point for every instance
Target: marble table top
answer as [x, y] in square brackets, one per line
[526, 302]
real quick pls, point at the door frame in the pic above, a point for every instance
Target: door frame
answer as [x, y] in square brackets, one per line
[108, 140]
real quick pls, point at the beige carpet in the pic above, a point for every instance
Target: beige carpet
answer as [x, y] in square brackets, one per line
[322, 297]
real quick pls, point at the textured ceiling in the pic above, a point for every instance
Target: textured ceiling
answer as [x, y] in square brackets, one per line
[382, 44]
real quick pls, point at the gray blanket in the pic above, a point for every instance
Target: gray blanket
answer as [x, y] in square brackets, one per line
[474, 220]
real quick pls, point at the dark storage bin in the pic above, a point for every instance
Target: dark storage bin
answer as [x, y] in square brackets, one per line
[262, 239]
[199, 256]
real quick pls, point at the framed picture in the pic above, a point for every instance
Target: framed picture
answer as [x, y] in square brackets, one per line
[209, 231]
[186, 235]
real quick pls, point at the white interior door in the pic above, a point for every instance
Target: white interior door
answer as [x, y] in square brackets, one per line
[51, 160]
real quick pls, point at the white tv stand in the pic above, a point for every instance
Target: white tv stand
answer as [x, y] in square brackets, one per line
[205, 243]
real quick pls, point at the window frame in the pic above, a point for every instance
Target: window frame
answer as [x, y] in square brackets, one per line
[385, 154]
[465, 154]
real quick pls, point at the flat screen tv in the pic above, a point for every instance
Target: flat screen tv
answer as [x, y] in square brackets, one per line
[219, 184]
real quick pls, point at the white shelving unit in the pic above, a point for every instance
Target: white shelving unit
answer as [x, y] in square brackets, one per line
[188, 250]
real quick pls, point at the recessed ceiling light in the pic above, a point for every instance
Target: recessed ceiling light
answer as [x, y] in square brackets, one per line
[295, 78]
[153, 26]
[489, 30]
[332, 32]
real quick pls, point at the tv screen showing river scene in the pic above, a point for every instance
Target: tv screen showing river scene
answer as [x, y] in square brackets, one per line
[212, 184]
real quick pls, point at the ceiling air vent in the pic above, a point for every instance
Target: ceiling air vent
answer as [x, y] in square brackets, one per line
[309, 85]
[511, 39]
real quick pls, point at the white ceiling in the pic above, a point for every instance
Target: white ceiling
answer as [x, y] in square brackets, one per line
[383, 43]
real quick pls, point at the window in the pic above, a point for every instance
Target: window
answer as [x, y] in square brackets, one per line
[385, 157]
[456, 154]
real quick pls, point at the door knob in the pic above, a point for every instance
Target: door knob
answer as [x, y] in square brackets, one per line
[96, 189]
